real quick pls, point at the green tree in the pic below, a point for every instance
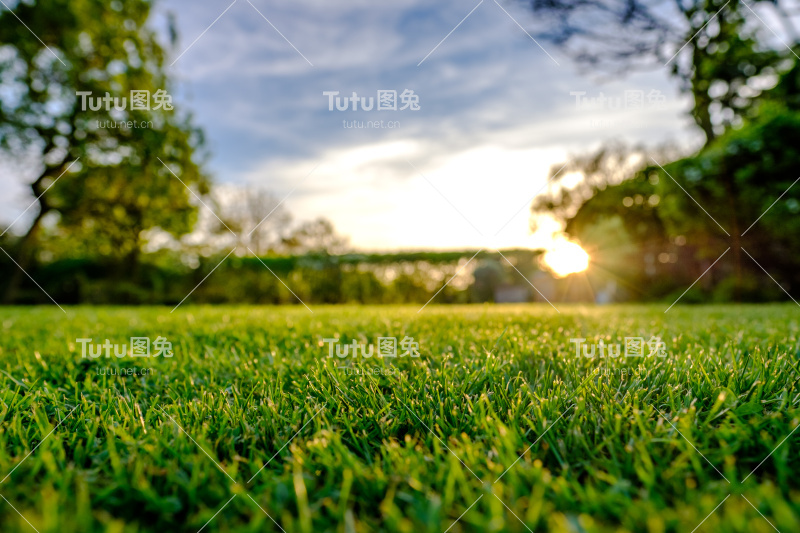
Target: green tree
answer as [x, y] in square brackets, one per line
[747, 178]
[614, 213]
[114, 185]
[741, 87]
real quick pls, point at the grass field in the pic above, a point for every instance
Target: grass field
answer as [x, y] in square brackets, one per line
[496, 426]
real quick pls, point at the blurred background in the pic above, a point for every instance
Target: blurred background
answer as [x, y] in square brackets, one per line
[595, 151]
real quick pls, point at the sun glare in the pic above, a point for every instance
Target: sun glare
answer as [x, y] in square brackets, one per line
[566, 258]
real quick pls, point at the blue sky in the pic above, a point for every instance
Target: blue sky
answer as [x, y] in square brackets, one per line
[495, 113]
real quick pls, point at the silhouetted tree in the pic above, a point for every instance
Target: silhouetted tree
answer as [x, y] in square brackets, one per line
[713, 47]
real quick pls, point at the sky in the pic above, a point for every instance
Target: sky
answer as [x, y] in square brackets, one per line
[497, 112]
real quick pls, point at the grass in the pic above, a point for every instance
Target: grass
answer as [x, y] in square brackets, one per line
[411, 448]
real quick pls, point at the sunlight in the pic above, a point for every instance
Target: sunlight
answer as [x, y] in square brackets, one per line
[566, 258]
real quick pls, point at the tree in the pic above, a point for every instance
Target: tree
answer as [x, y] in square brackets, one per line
[316, 236]
[259, 217]
[613, 212]
[713, 47]
[746, 179]
[720, 55]
[114, 185]
[256, 217]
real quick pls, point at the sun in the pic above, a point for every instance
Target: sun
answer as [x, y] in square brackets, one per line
[566, 258]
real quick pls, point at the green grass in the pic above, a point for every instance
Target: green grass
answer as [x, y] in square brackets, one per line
[384, 451]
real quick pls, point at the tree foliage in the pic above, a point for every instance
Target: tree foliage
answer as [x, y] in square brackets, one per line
[714, 48]
[680, 212]
[114, 184]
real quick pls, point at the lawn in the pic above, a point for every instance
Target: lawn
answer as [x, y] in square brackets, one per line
[497, 425]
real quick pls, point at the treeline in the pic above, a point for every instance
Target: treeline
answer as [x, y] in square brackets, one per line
[167, 278]
[317, 278]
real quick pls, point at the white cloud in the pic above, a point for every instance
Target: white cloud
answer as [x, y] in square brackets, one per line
[496, 112]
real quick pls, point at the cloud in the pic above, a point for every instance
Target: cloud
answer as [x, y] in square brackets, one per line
[489, 96]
